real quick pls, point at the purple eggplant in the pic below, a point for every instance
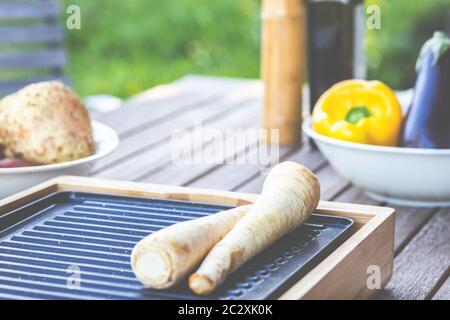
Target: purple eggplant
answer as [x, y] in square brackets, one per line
[427, 123]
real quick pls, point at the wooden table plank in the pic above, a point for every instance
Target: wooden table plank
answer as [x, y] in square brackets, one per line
[147, 160]
[231, 107]
[420, 266]
[355, 195]
[183, 174]
[408, 220]
[162, 102]
[187, 174]
[443, 293]
[305, 155]
[331, 182]
[229, 176]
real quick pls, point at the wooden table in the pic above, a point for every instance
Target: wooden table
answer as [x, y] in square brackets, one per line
[146, 123]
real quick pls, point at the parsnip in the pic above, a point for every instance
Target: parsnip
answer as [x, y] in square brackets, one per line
[164, 257]
[290, 193]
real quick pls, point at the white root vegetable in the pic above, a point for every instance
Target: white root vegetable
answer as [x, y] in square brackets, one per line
[163, 258]
[289, 195]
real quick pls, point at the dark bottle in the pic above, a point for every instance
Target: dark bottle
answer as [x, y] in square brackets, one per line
[427, 123]
[335, 43]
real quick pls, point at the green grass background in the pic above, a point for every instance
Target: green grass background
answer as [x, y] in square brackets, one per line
[125, 47]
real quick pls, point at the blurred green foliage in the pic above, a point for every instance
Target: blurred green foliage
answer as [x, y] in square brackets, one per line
[125, 47]
[406, 25]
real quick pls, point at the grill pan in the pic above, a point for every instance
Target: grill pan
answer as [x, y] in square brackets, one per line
[43, 242]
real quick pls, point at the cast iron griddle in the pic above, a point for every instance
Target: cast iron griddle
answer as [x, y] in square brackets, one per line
[73, 245]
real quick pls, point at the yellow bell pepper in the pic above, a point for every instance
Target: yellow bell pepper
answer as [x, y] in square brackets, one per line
[359, 111]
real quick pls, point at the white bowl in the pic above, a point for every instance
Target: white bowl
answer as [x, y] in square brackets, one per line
[13, 180]
[403, 176]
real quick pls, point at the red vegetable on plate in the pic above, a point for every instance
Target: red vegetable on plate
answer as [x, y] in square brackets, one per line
[15, 163]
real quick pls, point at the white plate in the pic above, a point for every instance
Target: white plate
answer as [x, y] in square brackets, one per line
[13, 180]
[404, 176]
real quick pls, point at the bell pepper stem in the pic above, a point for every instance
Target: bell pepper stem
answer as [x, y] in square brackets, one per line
[356, 114]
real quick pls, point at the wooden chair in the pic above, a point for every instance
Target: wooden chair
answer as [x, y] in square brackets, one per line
[31, 43]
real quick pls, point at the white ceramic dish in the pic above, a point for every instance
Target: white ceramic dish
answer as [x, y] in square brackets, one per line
[13, 180]
[404, 176]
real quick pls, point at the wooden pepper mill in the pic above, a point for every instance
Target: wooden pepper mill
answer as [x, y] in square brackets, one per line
[283, 68]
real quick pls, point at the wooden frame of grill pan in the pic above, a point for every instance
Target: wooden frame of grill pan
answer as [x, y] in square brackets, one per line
[343, 274]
